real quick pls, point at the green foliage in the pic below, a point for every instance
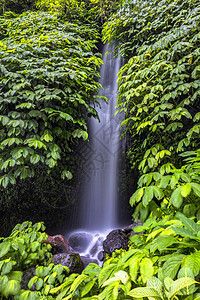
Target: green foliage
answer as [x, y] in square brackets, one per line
[48, 79]
[24, 248]
[25, 245]
[165, 257]
[94, 12]
[159, 94]
[176, 189]
[157, 290]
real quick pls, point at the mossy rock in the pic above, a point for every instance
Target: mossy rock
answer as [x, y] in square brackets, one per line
[72, 261]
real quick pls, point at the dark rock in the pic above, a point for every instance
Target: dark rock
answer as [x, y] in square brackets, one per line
[27, 275]
[80, 241]
[59, 244]
[72, 261]
[98, 244]
[129, 229]
[86, 261]
[101, 256]
[116, 239]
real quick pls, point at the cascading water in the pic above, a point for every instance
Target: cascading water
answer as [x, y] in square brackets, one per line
[99, 193]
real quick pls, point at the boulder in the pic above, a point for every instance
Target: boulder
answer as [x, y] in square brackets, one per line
[87, 260]
[79, 241]
[116, 239]
[27, 275]
[96, 247]
[71, 260]
[101, 256]
[59, 244]
[129, 229]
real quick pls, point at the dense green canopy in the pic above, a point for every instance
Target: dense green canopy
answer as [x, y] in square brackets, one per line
[48, 79]
[159, 93]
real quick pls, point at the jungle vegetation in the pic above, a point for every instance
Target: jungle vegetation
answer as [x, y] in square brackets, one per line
[49, 63]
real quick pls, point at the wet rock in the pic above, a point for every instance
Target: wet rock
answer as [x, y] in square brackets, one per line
[116, 239]
[27, 275]
[87, 260]
[59, 244]
[97, 245]
[72, 261]
[101, 256]
[80, 241]
[129, 229]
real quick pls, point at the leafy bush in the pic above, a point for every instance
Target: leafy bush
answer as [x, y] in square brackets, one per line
[93, 12]
[159, 89]
[48, 79]
[22, 249]
[167, 254]
[176, 189]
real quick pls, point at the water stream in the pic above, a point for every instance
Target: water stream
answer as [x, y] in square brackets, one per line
[99, 194]
[100, 191]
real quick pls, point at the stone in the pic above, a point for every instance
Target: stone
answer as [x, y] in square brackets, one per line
[87, 260]
[79, 241]
[129, 229]
[116, 239]
[97, 245]
[101, 256]
[59, 244]
[71, 260]
[27, 275]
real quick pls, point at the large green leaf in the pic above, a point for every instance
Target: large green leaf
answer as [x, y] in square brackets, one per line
[86, 289]
[145, 292]
[4, 248]
[176, 198]
[192, 262]
[188, 223]
[162, 242]
[105, 273]
[146, 269]
[155, 283]
[171, 266]
[12, 287]
[180, 284]
[148, 195]
[186, 189]
[133, 264]
[196, 188]
[77, 282]
[183, 232]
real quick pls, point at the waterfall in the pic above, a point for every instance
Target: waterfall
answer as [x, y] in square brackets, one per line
[99, 195]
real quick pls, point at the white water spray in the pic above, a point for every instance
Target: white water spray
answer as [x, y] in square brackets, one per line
[100, 192]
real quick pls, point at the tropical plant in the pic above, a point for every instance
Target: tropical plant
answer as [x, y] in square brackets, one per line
[168, 289]
[48, 80]
[166, 252]
[158, 91]
[24, 248]
[170, 188]
[94, 12]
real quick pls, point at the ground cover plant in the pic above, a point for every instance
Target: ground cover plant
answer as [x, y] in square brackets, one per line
[166, 258]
